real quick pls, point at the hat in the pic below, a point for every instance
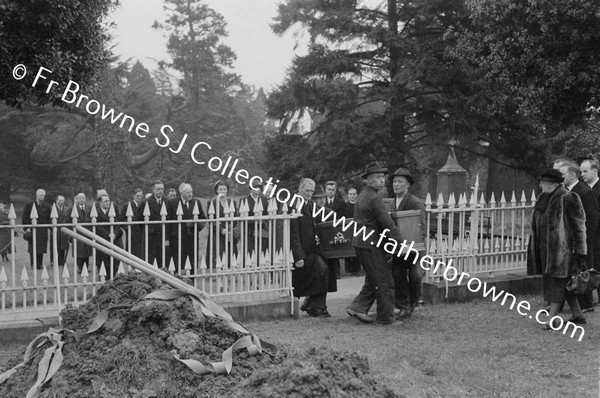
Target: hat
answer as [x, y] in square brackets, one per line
[551, 175]
[403, 173]
[319, 193]
[374, 168]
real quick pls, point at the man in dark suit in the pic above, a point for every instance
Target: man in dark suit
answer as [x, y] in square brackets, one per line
[309, 276]
[137, 243]
[39, 233]
[407, 274]
[337, 205]
[352, 263]
[571, 172]
[62, 240]
[589, 174]
[155, 231]
[181, 235]
[111, 233]
[372, 213]
[258, 232]
[83, 251]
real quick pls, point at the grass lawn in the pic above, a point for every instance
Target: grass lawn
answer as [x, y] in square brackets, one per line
[477, 349]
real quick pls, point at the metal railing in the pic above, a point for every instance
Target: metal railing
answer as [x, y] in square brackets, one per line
[239, 256]
[481, 238]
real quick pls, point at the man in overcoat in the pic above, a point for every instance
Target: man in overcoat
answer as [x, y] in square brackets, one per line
[557, 245]
[407, 273]
[40, 233]
[83, 251]
[182, 238]
[62, 239]
[371, 212]
[137, 233]
[589, 174]
[155, 231]
[571, 172]
[309, 276]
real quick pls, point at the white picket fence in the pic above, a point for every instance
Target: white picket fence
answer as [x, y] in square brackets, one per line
[233, 273]
[484, 238]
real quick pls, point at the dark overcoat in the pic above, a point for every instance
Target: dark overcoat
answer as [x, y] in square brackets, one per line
[64, 217]
[338, 205]
[371, 212]
[590, 207]
[557, 234]
[311, 279]
[83, 216]
[137, 230]
[41, 234]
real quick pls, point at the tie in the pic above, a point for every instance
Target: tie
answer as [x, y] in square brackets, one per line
[186, 205]
[159, 202]
[82, 208]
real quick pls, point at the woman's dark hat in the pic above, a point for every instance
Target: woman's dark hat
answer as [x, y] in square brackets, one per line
[374, 168]
[551, 175]
[403, 173]
[319, 193]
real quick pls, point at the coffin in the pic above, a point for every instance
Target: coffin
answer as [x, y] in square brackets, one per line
[334, 242]
[409, 224]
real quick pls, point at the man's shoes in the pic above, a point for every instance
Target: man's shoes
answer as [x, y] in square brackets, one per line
[364, 318]
[590, 309]
[547, 326]
[577, 320]
[401, 313]
[322, 313]
[304, 307]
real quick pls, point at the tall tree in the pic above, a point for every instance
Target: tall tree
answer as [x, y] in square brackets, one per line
[537, 64]
[213, 105]
[378, 77]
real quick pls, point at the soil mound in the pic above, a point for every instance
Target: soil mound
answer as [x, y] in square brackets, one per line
[317, 373]
[132, 355]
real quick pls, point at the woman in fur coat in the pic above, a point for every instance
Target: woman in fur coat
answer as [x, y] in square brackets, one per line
[557, 246]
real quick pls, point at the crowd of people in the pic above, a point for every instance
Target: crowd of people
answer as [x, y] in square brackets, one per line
[395, 285]
[565, 234]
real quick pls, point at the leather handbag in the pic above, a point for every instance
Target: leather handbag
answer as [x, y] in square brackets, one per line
[28, 235]
[585, 281]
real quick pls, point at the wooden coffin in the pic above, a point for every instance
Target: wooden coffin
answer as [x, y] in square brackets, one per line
[334, 242]
[409, 224]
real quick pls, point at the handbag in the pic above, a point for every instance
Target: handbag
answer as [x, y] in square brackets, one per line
[585, 281]
[28, 235]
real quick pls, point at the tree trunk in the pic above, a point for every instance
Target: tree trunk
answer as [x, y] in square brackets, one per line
[396, 125]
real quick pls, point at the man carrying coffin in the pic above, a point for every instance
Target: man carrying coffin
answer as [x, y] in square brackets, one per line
[407, 274]
[371, 212]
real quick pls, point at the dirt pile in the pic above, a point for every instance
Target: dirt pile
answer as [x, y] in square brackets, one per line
[132, 355]
[317, 373]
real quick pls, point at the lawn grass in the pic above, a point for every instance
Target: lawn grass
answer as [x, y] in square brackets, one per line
[476, 349]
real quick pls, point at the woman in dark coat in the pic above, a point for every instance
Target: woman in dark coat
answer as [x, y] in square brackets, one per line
[226, 233]
[557, 245]
[4, 233]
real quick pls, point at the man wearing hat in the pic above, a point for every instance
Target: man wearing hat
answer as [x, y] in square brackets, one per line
[557, 245]
[407, 274]
[371, 212]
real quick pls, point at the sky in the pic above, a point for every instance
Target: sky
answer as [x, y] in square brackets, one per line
[262, 56]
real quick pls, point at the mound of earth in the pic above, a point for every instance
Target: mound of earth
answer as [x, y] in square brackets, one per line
[132, 355]
[317, 373]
